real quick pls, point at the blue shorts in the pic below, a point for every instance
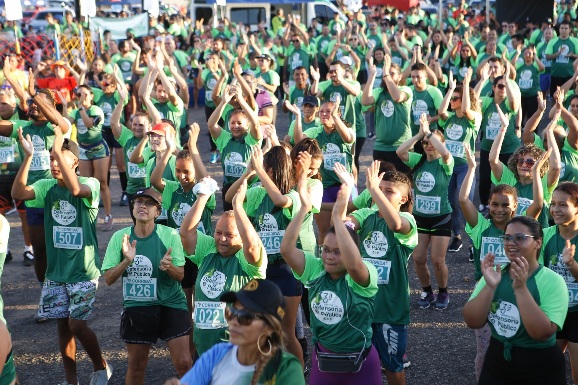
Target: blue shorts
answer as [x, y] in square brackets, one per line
[330, 194]
[280, 273]
[390, 342]
[108, 137]
[34, 216]
[94, 151]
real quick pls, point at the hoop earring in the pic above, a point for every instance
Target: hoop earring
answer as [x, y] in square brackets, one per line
[259, 346]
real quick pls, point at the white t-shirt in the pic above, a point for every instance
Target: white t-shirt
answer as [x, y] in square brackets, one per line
[230, 371]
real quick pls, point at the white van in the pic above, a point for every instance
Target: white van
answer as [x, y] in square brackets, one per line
[254, 12]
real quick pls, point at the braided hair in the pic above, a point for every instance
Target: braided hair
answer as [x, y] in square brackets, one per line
[276, 341]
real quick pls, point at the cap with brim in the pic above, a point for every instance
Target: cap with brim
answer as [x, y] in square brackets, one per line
[150, 193]
[71, 146]
[346, 60]
[259, 296]
[248, 72]
[59, 63]
[130, 30]
[312, 100]
[159, 129]
[265, 56]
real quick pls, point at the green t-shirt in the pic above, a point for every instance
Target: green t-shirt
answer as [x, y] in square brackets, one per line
[322, 42]
[491, 125]
[486, 239]
[551, 254]
[360, 110]
[209, 82]
[177, 202]
[431, 182]
[392, 119]
[298, 58]
[304, 127]
[143, 283]
[270, 221]
[270, 77]
[548, 290]
[150, 162]
[569, 158]
[528, 78]
[4, 235]
[42, 137]
[459, 132]
[341, 310]
[296, 96]
[526, 194]
[70, 230]
[107, 103]
[136, 173]
[331, 92]
[307, 240]
[235, 154]
[89, 135]
[172, 112]
[334, 150]
[541, 51]
[125, 65]
[427, 101]
[217, 275]
[389, 252]
[562, 65]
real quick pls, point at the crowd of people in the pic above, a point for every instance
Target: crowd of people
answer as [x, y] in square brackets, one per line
[298, 240]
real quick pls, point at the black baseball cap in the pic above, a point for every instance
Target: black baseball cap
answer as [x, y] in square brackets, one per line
[150, 193]
[259, 296]
[311, 100]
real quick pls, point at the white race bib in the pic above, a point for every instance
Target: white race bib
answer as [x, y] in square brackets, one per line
[209, 315]
[67, 237]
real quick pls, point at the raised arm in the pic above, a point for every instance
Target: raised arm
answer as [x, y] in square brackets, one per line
[534, 121]
[403, 150]
[136, 156]
[200, 170]
[48, 109]
[344, 132]
[555, 162]
[69, 176]
[439, 146]
[443, 109]
[255, 125]
[156, 178]
[512, 94]
[468, 208]
[252, 247]
[18, 90]
[537, 205]
[167, 84]
[20, 190]
[494, 157]
[367, 98]
[278, 199]
[115, 125]
[212, 123]
[188, 231]
[396, 94]
[484, 76]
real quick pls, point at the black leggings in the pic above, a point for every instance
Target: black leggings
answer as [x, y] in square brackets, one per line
[358, 147]
[485, 174]
[529, 107]
[208, 112]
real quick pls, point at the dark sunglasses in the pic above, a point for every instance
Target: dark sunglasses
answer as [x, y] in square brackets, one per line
[517, 238]
[244, 317]
[6, 87]
[295, 41]
[501, 86]
[529, 162]
[30, 102]
[455, 98]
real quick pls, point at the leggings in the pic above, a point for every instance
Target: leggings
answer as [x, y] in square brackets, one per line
[369, 374]
[485, 174]
[358, 147]
[208, 112]
[482, 342]
[529, 106]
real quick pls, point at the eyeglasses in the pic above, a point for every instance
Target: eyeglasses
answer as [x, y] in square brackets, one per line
[295, 41]
[455, 98]
[328, 251]
[501, 86]
[6, 87]
[529, 162]
[144, 202]
[332, 71]
[244, 317]
[30, 102]
[352, 39]
[516, 238]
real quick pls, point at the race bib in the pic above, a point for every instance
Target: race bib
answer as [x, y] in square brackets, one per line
[523, 204]
[7, 154]
[209, 315]
[272, 240]
[383, 268]
[456, 148]
[329, 160]
[572, 294]
[40, 161]
[67, 237]
[163, 215]
[428, 205]
[139, 289]
[136, 171]
[494, 245]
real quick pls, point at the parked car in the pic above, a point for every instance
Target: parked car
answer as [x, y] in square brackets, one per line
[38, 21]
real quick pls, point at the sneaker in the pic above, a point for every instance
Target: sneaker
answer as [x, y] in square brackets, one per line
[107, 224]
[406, 361]
[214, 157]
[28, 258]
[455, 245]
[471, 257]
[123, 200]
[442, 301]
[370, 136]
[40, 319]
[426, 300]
[8, 256]
[101, 377]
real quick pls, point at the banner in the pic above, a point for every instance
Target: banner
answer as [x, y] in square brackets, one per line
[88, 8]
[118, 27]
[152, 6]
[14, 11]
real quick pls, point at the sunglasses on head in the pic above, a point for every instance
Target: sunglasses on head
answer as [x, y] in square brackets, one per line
[501, 86]
[529, 162]
[244, 317]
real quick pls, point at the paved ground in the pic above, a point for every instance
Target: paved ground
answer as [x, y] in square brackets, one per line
[441, 347]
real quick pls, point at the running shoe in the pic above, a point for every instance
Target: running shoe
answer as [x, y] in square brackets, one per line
[426, 300]
[40, 319]
[123, 200]
[370, 136]
[107, 224]
[406, 361]
[442, 301]
[214, 157]
[471, 257]
[455, 245]
[101, 377]
[8, 256]
[28, 258]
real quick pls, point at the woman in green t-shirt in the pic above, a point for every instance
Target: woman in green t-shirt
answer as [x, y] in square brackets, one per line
[525, 304]
[342, 288]
[432, 209]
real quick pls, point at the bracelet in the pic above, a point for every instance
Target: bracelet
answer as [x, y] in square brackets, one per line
[33, 96]
[429, 136]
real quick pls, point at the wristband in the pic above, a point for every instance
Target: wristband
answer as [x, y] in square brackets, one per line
[429, 136]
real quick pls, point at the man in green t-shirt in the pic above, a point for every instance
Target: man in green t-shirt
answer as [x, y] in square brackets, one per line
[562, 50]
[70, 205]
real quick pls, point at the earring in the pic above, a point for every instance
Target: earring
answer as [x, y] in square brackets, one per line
[259, 346]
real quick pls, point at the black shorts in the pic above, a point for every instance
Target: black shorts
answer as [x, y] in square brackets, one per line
[191, 272]
[146, 324]
[6, 202]
[393, 158]
[108, 137]
[280, 273]
[570, 329]
[438, 226]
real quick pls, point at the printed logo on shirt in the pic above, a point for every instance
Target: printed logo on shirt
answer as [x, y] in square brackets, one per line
[80, 127]
[267, 222]
[562, 170]
[327, 307]
[387, 108]
[38, 143]
[419, 107]
[63, 212]
[125, 66]
[375, 244]
[463, 71]
[563, 58]
[454, 131]
[557, 264]
[425, 181]
[525, 81]
[107, 109]
[505, 317]
[213, 283]
[180, 212]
